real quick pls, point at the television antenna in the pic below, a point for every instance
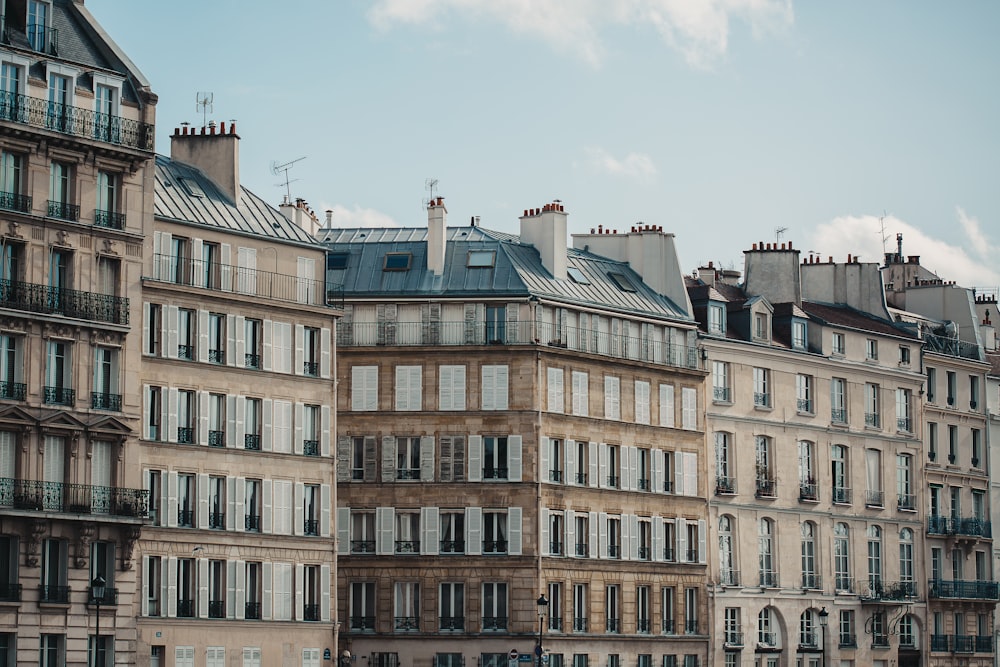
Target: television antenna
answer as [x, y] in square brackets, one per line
[778, 233]
[203, 103]
[881, 225]
[278, 169]
[430, 185]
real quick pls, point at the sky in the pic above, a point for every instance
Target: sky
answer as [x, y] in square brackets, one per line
[831, 125]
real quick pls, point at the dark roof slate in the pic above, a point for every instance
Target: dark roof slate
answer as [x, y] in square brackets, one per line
[841, 315]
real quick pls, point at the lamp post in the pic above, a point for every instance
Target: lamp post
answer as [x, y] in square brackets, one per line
[97, 594]
[543, 605]
[823, 620]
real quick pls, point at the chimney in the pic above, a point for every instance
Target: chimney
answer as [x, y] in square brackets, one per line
[216, 154]
[773, 272]
[707, 274]
[437, 224]
[545, 229]
[329, 218]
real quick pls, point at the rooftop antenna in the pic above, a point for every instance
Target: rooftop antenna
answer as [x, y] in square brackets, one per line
[277, 169]
[881, 225]
[203, 103]
[430, 185]
[778, 232]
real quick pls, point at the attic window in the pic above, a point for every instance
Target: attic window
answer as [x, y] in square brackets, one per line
[623, 283]
[481, 259]
[576, 275]
[397, 261]
[336, 261]
[192, 187]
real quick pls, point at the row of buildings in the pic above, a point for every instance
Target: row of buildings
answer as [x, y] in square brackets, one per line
[234, 434]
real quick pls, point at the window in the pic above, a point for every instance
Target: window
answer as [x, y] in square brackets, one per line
[452, 458]
[842, 558]
[766, 626]
[873, 417]
[931, 383]
[12, 386]
[621, 281]
[152, 582]
[397, 261]
[840, 472]
[845, 626]
[58, 374]
[496, 324]
[871, 349]
[720, 382]
[641, 402]
[904, 415]
[838, 346]
[807, 471]
[254, 590]
[312, 351]
[185, 416]
[761, 388]
[716, 318]
[973, 392]
[727, 573]
[810, 579]
[408, 457]
[554, 454]
[217, 502]
[873, 470]
[495, 457]
[185, 334]
[252, 505]
[904, 355]
[253, 338]
[495, 532]
[577, 276]
[807, 629]
[952, 387]
[766, 482]
[216, 338]
[798, 335]
[761, 328]
[906, 561]
[580, 391]
[495, 389]
[60, 203]
[362, 605]
[451, 388]
[253, 420]
[106, 126]
[875, 560]
[186, 583]
[932, 440]
[667, 613]
[614, 532]
[952, 443]
[691, 611]
[452, 606]
[185, 500]
[612, 608]
[612, 397]
[362, 532]
[216, 590]
[554, 386]
[733, 636]
[765, 553]
[977, 447]
[107, 211]
[53, 575]
[206, 267]
[494, 606]
[364, 388]
[336, 261]
[582, 524]
[838, 400]
[725, 478]
[407, 606]
[580, 607]
[12, 174]
[556, 530]
[642, 604]
[52, 650]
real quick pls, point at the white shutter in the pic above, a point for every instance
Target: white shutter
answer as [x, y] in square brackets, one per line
[232, 333]
[300, 571]
[300, 415]
[343, 530]
[593, 542]
[689, 408]
[514, 455]
[203, 399]
[239, 504]
[202, 501]
[409, 381]
[145, 326]
[147, 417]
[474, 531]
[546, 539]
[543, 454]
[171, 420]
[427, 458]
[324, 439]
[241, 341]
[641, 402]
[593, 471]
[612, 398]
[657, 529]
[385, 518]
[241, 592]
[667, 405]
[325, 493]
[324, 592]
[569, 465]
[569, 521]
[682, 544]
[430, 526]
[268, 342]
[171, 339]
[266, 510]
[701, 540]
[679, 474]
[690, 474]
[239, 440]
[364, 388]
[144, 601]
[202, 588]
[630, 467]
[299, 358]
[298, 513]
[230, 502]
[475, 458]
[602, 466]
[171, 601]
[602, 535]
[324, 353]
[203, 336]
[514, 533]
[171, 500]
[656, 456]
[488, 399]
[266, 589]
[556, 401]
[267, 413]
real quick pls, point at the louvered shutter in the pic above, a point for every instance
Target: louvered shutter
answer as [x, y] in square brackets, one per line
[515, 458]
[474, 531]
[343, 530]
[430, 530]
[427, 458]
[475, 458]
[514, 543]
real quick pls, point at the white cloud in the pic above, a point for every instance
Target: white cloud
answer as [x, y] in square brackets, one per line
[345, 217]
[861, 236]
[698, 29]
[638, 166]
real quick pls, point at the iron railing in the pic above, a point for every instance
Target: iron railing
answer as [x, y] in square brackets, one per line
[251, 441]
[407, 546]
[768, 579]
[761, 399]
[494, 622]
[354, 334]
[185, 608]
[939, 642]
[185, 518]
[407, 623]
[251, 522]
[62, 210]
[10, 592]
[53, 594]
[691, 626]
[252, 611]
[447, 547]
[725, 486]
[970, 590]
[729, 577]
[310, 368]
[216, 438]
[841, 495]
[971, 526]
[217, 356]
[109, 219]
[873, 419]
[75, 121]
[808, 491]
[310, 612]
[952, 347]
[733, 639]
[311, 448]
[667, 626]
[449, 623]
[906, 501]
[58, 396]
[12, 201]
[240, 280]
[838, 415]
[217, 520]
[843, 584]
[812, 581]
[904, 424]
[888, 591]
[310, 527]
[108, 599]
[62, 301]
[874, 498]
[720, 394]
[104, 401]
[216, 608]
[26, 494]
[804, 405]
[13, 391]
[613, 625]
[767, 487]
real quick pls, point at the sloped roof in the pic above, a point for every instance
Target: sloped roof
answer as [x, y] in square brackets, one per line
[186, 194]
[842, 315]
[517, 271]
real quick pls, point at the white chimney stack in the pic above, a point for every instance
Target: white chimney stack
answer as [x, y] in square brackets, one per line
[437, 223]
[545, 228]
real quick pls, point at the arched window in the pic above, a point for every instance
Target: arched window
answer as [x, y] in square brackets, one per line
[767, 628]
[842, 557]
[906, 561]
[809, 577]
[765, 550]
[875, 583]
[727, 571]
[807, 629]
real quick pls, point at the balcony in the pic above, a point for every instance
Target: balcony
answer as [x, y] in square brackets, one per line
[556, 476]
[725, 486]
[720, 394]
[812, 581]
[761, 400]
[362, 623]
[38, 496]
[251, 522]
[216, 608]
[843, 584]
[74, 121]
[310, 527]
[447, 547]
[462, 333]
[873, 420]
[952, 347]
[579, 625]
[613, 625]
[185, 518]
[804, 405]
[984, 644]
[841, 495]
[217, 520]
[838, 415]
[967, 590]
[880, 640]
[581, 478]
[13, 391]
[939, 642]
[879, 591]
[847, 640]
[732, 639]
[62, 210]
[185, 435]
[53, 594]
[875, 499]
[216, 356]
[368, 547]
[310, 368]
[109, 219]
[310, 612]
[494, 623]
[252, 611]
[767, 487]
[768, 579]
[906, 501]
[10, 592]
[729, 578]
[808, 491]
[406, 623]
[11, 201]
[216, 438]
[62, 301]
[767, 639]
[449, 623]
[808, 641]
[251, 442]
[103, 401]
[311, 448]
[970, 526]
[407, 546]
[185, 609]
[58, 396]
[195, 272]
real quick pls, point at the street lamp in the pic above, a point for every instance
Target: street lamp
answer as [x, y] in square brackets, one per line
[97, 595]
[823, 620]
[543, 605]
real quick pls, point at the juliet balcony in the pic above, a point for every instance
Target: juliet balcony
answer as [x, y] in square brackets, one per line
[35, 298]
[75, 121]
[33, 495]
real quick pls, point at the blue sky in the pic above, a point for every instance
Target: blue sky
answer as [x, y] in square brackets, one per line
[721, 120]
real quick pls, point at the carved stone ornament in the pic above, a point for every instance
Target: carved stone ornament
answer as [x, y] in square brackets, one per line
[38, 527]
[83, 545]
[62, 235]
[109, 247]
[12, 230]
[131, 537]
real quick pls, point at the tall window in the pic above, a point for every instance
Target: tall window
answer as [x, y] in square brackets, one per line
[807, 471]
[667, 613]
[873, 468]
[873, 418]
[807, 629]
[841, 557]
[727, 571]
[809, 577]
[766, 626]
[407, 605]
[766, 485]
[906, 560]
[798, 335]
[720, 381]
[905, 499]
[725, 482]
[612, 608]
[12, 177]
[496, 324]
[875, 559]
[765, 553]
[803, 390]
[362, 605]
[716, 319]
[904, 414]
[580, 607]
[838, 400]
[58, 374]
[106, 212]
[11, 367]
[691, 611]
[761, 388]
[494, 606]
[841, 482]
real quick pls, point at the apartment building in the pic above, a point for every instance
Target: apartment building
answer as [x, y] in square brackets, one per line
[815, 509]
[76, 149]
[959, 545]
[235, 379]
[520, 447]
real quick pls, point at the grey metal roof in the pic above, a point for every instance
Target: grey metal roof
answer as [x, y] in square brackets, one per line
[251, 215]
[517, 271]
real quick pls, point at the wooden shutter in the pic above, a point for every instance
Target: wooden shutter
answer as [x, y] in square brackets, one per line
[474, 531]
[430, 529]
[514, 455]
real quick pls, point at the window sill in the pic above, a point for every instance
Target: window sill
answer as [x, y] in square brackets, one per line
[805, 413]
[841, 425]
[763, 408]
[716, 401]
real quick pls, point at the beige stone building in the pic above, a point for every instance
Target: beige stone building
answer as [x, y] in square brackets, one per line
[816, 512]
[520, 448]
[235, 378]
[76, 149]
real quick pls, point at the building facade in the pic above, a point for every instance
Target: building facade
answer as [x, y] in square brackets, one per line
[76, 149]
[520, 461]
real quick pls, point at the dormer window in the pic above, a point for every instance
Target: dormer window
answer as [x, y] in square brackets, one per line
[761, 326]
[481, 259]
[336, 261]
[40, 37]
[716, 318]
[798, 334]
[623, 283]
[397, 261]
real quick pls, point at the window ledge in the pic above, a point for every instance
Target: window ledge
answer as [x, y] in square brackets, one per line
[763, 408]
[805, 413]
[718, 402]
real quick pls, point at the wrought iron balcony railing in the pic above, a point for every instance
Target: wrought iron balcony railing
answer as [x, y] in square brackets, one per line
[109, 219]
[406, 623]
[838, 415]
[888, 591]
[185, 608]
[969, 590]
[62, 210]
[217, 356]
[216, 608]
[251, 441]
[185, 435]
[251, 522]
[874, 498]
[880, 640]
[939, 642]
[53, 594]
[556, 476]
[970, 526]
[447, 546]
[109, 599]
[555, 548]
[460, 332]
[58, 396]
[495, 473]
[494, 622]
[728, 577]
[217, 520]
[406, 473]
[767, 487]
[808, 491]
[733, 639]
[310, 527]
[185, 518]
[720, 394]
[13, 391]
[582, 549]
[904, 424]
[451, 622]
[362, 546]
[10, 592]
[804, 405]
[906, 501]
[62, 301]
[691, 626]
[963, 644]
[310, 368]
[581, 478]
[497, 546]
[667, 626]
[252, 611]
[843, 583]
[841, 495]
[725, 486]
[952, 347]
[847, 640]
[984, 644]
[216, 438]
[311, 448]
[407, 546]
[768, 579]
[103, 401]
[642, 626]
[761, 399]
[310, 612]
[808, 640]
[12, 201]
[873, 419]
[812, 581]
[73, 121]
[24, 494]
[613, 625]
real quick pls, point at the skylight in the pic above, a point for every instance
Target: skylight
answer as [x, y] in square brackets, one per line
[336, 260]
[623, 283]
[576, 275]
[397, 261]
[481, 259]
[192, 187]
